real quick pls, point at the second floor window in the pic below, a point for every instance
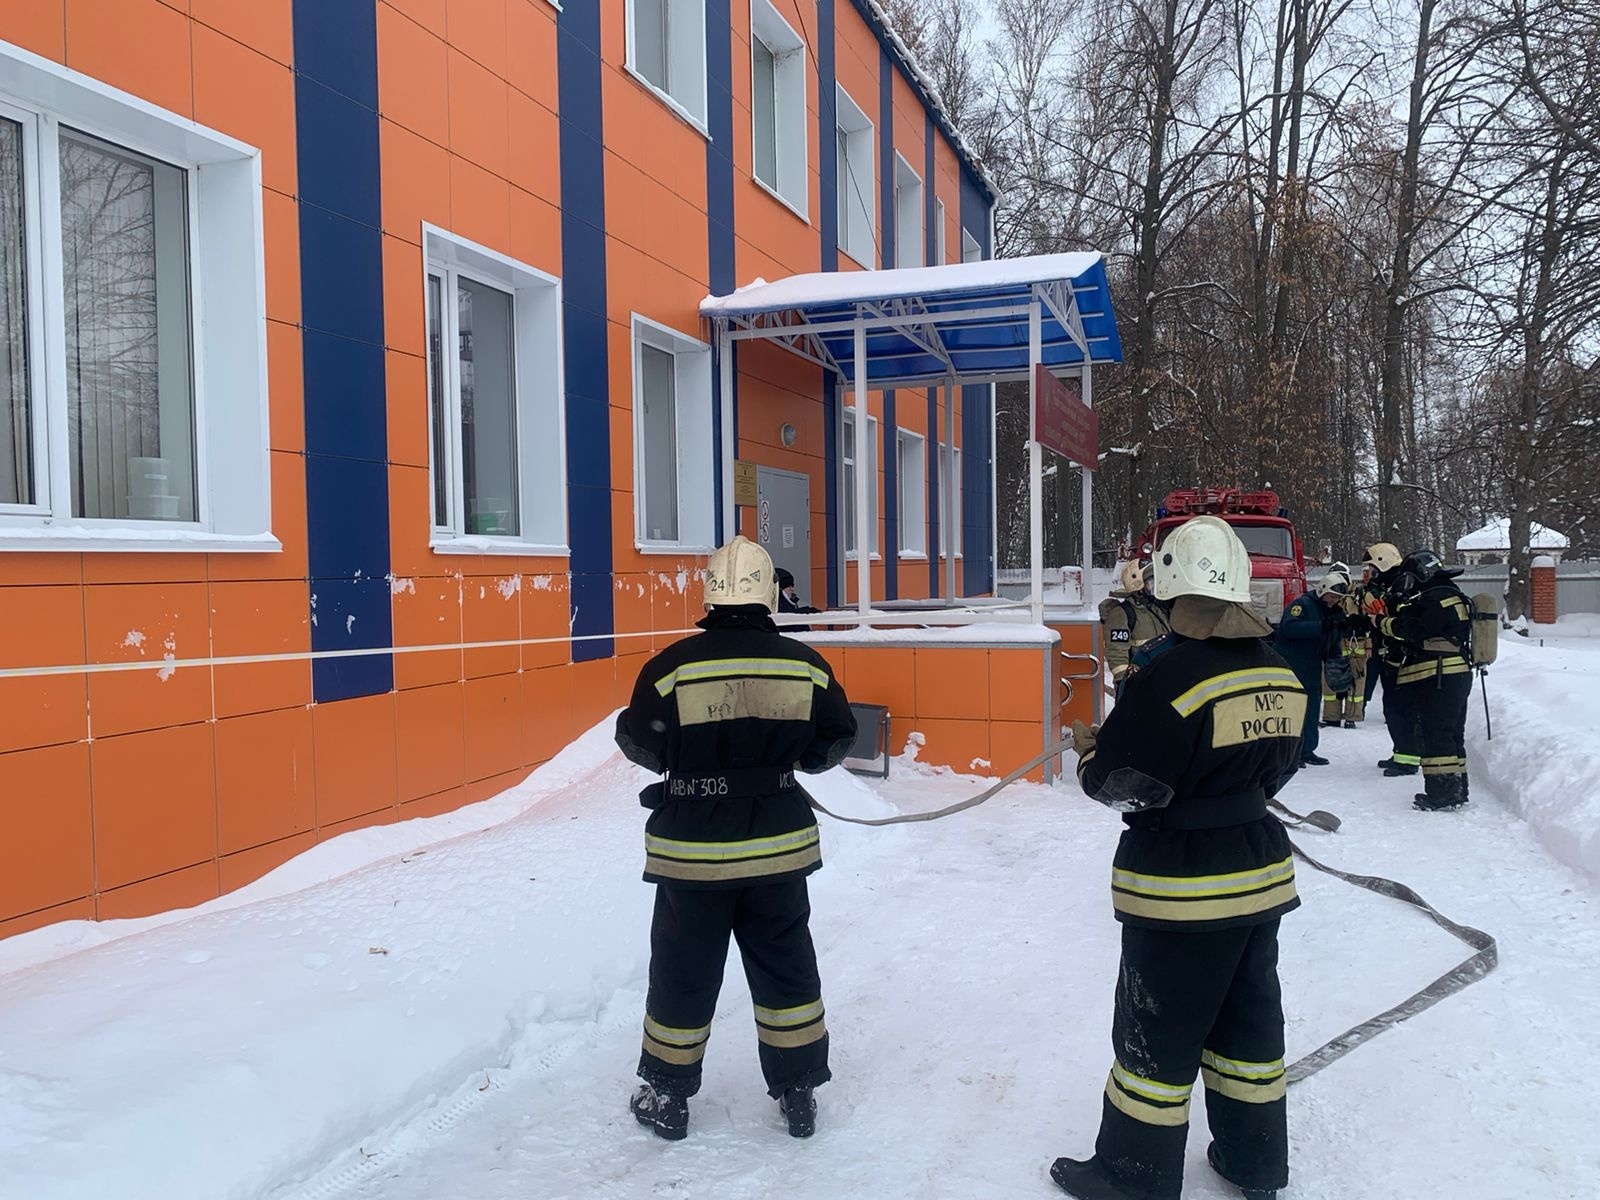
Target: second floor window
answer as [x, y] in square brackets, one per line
[667, 49]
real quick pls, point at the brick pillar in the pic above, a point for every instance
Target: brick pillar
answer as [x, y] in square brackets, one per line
[1542, 591]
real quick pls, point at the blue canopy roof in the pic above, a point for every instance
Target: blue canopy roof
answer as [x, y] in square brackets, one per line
[928, 324]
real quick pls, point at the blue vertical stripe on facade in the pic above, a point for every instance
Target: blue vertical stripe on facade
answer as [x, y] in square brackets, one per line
[585, 334]
[719, 211]
[977, 542]
[346, 404]
[888, 249]
[930, 250]
[828, 225]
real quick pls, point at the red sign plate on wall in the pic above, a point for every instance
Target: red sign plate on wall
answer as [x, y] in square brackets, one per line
[1063, 422]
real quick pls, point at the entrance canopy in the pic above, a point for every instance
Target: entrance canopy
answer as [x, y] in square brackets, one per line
[962, 323]
[925, 325]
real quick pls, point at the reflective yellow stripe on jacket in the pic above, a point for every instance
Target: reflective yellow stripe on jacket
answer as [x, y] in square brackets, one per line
[713, 862]
[717, 668]
[1432, 668]
[1203, 897]
[1231, 683]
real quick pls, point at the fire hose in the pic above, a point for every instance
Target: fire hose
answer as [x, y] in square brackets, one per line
[1483, 960]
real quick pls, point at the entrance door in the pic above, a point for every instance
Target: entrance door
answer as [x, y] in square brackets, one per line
[783, 523]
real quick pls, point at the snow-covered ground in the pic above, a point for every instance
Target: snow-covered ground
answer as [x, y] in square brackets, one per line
[402, 1017]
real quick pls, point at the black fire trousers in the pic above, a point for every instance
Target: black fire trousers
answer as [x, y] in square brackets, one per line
[1207, 1004]
[688, 951]
[1440, 705]
[1400, 717]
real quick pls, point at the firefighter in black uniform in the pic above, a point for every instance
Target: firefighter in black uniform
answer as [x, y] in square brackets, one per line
[729, 716]
[1430, 616]
[1383, 570]
[1129, 618]
[1202, 737]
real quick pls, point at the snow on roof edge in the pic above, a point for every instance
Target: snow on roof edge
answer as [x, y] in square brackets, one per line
[923, 83]
[1496, 535]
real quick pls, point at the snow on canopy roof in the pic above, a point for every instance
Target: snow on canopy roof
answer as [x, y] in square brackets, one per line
[926, 323]
[1496, 535]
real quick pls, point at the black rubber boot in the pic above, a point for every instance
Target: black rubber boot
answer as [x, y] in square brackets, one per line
[1313, 760]
[799, 1105]
[1085, 1179]
[1444, 800]
[1248, 1193]
[1349, 724]
[663, 1112]
[1394, 770]
[1385, 763]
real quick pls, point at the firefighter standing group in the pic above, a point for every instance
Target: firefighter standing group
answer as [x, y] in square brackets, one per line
[1212, 720]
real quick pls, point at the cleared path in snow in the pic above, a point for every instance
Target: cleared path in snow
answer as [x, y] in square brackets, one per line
[968, 968]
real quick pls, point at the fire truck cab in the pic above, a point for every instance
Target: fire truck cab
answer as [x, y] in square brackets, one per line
[1277, 562]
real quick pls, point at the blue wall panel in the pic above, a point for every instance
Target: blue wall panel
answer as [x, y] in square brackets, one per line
[977, 540]
[584, 330]
[930, 216]
[719, 215]
[890, 465]
[828, 224]
[341, 273]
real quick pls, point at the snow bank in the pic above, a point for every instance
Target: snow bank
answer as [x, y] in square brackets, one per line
[1545, 754]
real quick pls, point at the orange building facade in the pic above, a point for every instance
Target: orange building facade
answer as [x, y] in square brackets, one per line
[354, 397]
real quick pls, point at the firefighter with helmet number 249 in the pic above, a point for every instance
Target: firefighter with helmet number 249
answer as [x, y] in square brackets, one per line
[1129, 618]
[729, 716]
[1201, 739]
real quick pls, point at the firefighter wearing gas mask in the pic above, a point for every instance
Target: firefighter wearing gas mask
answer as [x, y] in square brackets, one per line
[1130, 617]
[1202, 737]
[729, 716]
[1382, 565]
[1431, 617]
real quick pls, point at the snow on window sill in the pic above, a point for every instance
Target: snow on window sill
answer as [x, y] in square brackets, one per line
[676, 548]
[491, 545]
[78, 539]
[914, 555]
[671, 101]
[875, 556]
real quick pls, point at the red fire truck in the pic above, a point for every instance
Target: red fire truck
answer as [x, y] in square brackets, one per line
[1277, 562]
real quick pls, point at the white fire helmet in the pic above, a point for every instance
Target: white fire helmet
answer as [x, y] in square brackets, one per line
[741, 573]
[1203, 557]
[1383, 556]
[1131, 577]
[1336, 580]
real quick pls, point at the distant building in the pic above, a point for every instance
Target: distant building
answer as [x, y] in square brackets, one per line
[1492, 543]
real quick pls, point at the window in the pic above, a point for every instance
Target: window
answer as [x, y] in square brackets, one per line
[105, 438]
[674, 502]
[494, 397]
[909, 250]
[970, 250]
[938, 232]
[667, 49]
[950, 500]
[778, 106]
[856, 184]
[848, 477]
[912, 478]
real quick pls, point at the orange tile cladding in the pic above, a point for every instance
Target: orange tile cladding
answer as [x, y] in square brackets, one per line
[883, 676]
[955, 743]
[413, 81]
[486, 789]
[531, 50]
[384, 816]
[264, 25]
[480, 129]
[355, 757]
[408, 415]
[40, 26]
[177, 889]
[100, 34]
[286, 381]
[42, 627]
[432, 744]
[427, 13]
[416, 183]
[480, 205]
[266, 778]
[493, 726]
[1012, 743]
[147, 623]
[1016, 684]
[46, 856]
[247, 866]
[477, 28]
[260, 618]
[154, 803]
[404, 327]
[248, 96]
[548, 719]
[545, 614]
[491, 611]
[427, 612]
[435, 805]
[77, 910]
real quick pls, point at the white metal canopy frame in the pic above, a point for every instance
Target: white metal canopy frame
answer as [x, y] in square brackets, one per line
[964, 323]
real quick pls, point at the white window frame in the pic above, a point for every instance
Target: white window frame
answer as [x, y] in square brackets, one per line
[696, 464]
[686, 56]
[227, 301]
[792, 187]
[909, 251]
[949, 500]
[971, 250]
[847, 486]
[938, 232]
[856, 181]
[912, 489]
[539, 407]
